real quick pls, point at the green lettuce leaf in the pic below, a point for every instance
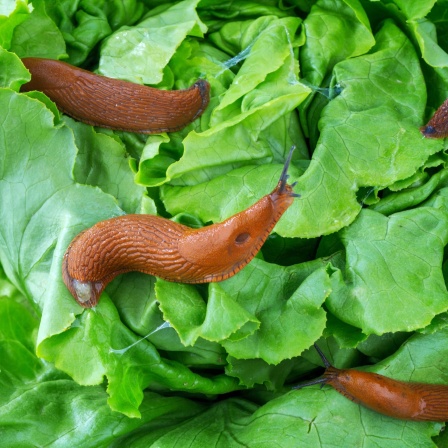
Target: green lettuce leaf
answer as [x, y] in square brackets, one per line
[241, 125]
[130, 53]
[238, 127]
[102, 161]
[384, 95]
[335, 32]
[220, 319]
[311, 416]
[225, 195]
[357, 263]
[10, 18]
[375, 249]
[84, 24]
[38, 36]
[249, 324]
[71, 414]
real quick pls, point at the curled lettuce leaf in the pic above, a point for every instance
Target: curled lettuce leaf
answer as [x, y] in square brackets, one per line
[357, 263]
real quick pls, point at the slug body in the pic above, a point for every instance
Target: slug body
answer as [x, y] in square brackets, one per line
[169, 250]
[398, 399]
[112, 103]
[437, 127]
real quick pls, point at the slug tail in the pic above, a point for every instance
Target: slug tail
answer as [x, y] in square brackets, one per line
[87, 294]
[204, 91]
[428, 131]
[437, 126]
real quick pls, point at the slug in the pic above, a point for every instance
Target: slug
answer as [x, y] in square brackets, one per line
[437, 127]
[398, 399]
[171, 251]
[112, 103]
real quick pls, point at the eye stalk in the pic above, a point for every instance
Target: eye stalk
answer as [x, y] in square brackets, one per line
[282, 183]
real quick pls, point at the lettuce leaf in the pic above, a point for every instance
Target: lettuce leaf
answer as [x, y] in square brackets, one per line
[134, 47]
[357, 263]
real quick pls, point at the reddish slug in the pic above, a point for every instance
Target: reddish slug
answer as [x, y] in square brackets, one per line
[112, 103]
[437, 127]
[169, 250]
[398, 399]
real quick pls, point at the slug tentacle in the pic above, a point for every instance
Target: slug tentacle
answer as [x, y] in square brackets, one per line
[398, 399]
[168, 250]
[282, 183]
[327, 363]
[112, 103]
[328, 375]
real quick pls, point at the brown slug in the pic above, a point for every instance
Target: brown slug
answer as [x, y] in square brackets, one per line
[169, 250]
[437, 127]
[398, 399]
[111, 103]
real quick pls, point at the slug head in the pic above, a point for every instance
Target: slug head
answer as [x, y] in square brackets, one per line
[221, 250]
[330, 375]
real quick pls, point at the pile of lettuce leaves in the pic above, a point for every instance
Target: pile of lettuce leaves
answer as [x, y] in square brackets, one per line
[357, 263]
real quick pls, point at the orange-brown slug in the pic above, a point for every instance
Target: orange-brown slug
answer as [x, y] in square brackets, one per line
[398, 399]
[437, 127]
[112, 103]
[169, 250]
